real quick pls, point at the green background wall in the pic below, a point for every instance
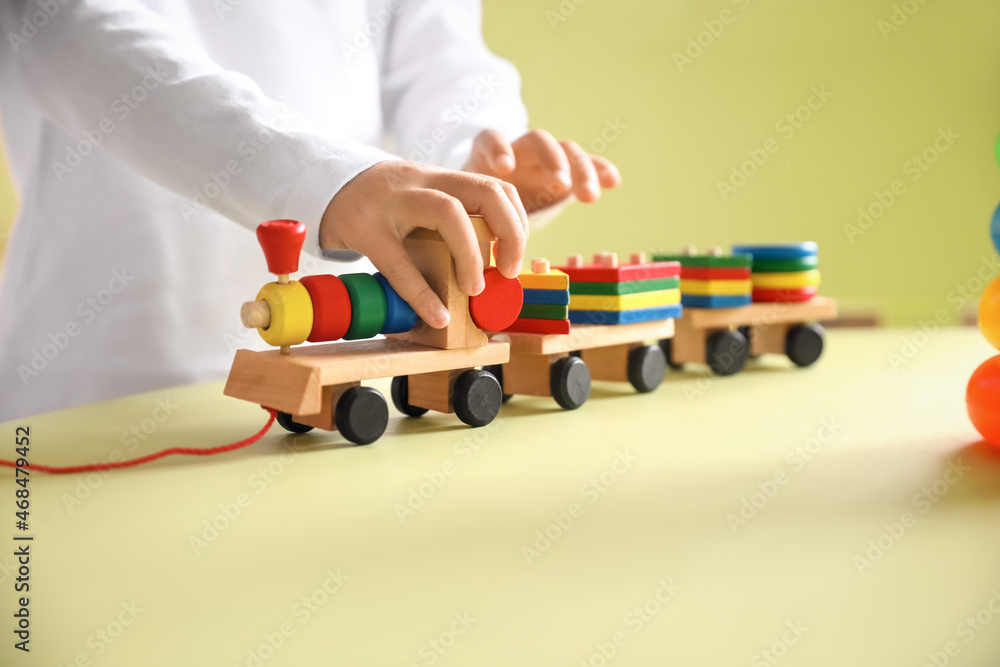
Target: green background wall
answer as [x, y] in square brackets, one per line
[590, 63]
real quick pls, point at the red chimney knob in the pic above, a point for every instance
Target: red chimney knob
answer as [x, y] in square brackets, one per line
[282, 242]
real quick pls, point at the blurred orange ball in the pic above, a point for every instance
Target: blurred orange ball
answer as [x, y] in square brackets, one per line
[989, 313]
[982, 398]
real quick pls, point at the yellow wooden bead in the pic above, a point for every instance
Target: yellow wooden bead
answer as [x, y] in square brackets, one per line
[791, 280]
[291, 313]
[716, 287]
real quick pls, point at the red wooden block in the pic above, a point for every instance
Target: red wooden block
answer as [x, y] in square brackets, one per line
[784, 295]
[592, 273]
[721, 273]
[529, 325]
[331, 307]
[281, 241]
[498, 305]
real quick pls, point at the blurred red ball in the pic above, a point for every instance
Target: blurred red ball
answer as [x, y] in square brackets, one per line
[982, 398]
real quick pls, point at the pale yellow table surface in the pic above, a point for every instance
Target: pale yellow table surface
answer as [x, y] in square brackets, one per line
[698, 448]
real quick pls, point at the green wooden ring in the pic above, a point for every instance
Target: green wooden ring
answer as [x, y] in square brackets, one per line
[368, 305]
[785, 265]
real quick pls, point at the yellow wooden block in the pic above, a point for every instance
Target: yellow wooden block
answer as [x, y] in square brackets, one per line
[716, 287]
[554, 279]
[664, 297]
[291, 313]
[791, 280]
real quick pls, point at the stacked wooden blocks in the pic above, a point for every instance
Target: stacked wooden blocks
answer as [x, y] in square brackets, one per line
[546, 301]
[606, 293]
[713, 280]
[783, 273]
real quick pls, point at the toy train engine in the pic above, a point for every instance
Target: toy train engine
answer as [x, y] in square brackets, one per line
[318, 386]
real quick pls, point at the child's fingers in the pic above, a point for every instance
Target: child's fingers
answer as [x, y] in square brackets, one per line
[499, 205]
[495, 150]
[440, 211]
[388, 255]
[607, 173]
[585, 184]
[552, 157]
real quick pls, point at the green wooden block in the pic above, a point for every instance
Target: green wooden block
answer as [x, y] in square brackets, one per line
[785, 265]
[708, 261]
[544, 311]
[627, 287]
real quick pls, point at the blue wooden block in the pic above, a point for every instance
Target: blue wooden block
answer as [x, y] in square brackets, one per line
[399, 316]
[550, 297]
[715, 301]
[625, 316]
[784, 251]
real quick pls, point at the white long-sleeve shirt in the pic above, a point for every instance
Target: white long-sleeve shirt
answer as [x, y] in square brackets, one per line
[137, 132]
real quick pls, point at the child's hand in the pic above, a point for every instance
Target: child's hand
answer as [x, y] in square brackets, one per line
[381, 205]
[543, 170]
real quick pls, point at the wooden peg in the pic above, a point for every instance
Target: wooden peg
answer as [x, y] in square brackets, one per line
[256, 314]
[689, 250]
[540, 265]
[575, 261]
[714, 251]
[608, 259]
[637, 258]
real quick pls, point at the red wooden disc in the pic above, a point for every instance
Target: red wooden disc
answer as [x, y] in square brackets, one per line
[331, 307]
[785, 295]
[498, 305]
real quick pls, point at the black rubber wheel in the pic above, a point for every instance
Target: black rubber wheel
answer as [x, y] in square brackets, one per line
[647, 365]
[361, 415]
[497, 372]
[804, 344]
[747, 333]
[477, 397]
[569, 382]
[400, 394]
[667, 345]
[289, 424]
[726, 352]
[576, 353]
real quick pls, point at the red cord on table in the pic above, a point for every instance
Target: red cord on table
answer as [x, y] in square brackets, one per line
[94, 467]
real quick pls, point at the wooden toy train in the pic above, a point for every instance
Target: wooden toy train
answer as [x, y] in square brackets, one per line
[548, 332]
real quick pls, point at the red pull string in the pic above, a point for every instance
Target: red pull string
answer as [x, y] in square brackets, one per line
[110, 465]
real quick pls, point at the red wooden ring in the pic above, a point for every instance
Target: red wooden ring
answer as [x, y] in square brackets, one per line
[331, 307]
